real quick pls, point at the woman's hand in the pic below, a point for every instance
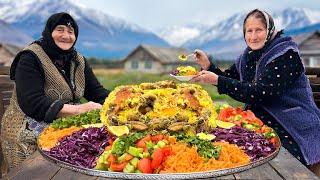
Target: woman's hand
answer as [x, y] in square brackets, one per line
[82, 108]
[202, 59]
[71, 110]
[206, 77]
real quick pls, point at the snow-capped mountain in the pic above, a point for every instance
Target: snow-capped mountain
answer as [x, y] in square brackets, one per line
[100, 34]
[293, 18]
[225, 39]
[178, 35]
[18, 38]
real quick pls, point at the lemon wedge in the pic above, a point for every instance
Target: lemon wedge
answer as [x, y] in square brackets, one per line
[118, 130]
[98, 125]
[205, 136]
[225, 125]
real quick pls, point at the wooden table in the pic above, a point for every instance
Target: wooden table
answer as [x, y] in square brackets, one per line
[284, 166]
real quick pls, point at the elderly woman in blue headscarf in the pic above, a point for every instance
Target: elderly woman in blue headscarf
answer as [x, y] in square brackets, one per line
[269, 78]
[50, 78]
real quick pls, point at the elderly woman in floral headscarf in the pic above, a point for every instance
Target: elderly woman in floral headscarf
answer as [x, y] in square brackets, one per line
[269, 78]
[50, 77]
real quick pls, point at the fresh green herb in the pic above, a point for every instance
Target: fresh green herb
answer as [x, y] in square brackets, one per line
[205, 148]
[122, 144]
[90, 117]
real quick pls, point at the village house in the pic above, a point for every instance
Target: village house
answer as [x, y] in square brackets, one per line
[309, 46]
[153, 59]
[7, 53]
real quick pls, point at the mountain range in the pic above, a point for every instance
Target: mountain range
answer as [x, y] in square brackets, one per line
[100, 34]
[225, 39]
[105, 36]
[19, 38]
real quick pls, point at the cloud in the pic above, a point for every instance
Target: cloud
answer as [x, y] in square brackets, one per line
[179, 35]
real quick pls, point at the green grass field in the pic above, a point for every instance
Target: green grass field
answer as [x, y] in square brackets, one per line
[112, 79]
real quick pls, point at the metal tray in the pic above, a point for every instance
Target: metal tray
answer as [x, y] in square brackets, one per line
[193, 175]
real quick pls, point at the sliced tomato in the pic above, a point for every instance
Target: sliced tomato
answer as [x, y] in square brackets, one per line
[142, 142]
[157, 137]
[157, 158]
[111, 158]
[144, 165]
[145, 149]
[238, 110]
[147, 138]
[118, 167]
[258, 121]
[224, 114]
[248, 115]
[167, 150]
[273, 140]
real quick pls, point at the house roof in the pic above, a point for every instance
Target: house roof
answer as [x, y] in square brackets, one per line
[299, 39]
[162, 54]
[12, 49]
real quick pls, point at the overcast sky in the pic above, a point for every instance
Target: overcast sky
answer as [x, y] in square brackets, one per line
[158, 14]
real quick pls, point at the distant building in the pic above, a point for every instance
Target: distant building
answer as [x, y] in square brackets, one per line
[152, 59]
[7, 53]
[309, 46]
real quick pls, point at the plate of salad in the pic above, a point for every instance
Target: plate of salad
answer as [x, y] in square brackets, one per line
[184, 73]
[152, 155]
[235, 141]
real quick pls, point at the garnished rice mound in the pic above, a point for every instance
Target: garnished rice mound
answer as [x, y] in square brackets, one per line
[50, 136]
[158, 106]
[230, 156]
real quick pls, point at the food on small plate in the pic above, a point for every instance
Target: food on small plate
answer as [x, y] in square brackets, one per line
[182, 78]
[184, 73]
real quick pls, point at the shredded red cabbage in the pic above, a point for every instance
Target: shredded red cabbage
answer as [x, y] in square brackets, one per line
[82, 147]
[255, 145]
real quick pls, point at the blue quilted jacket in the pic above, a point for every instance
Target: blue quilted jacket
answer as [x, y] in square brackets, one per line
[295, 110]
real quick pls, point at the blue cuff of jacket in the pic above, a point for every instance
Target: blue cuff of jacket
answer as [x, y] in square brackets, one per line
[222, 84]
[212, 66]
[53, 111]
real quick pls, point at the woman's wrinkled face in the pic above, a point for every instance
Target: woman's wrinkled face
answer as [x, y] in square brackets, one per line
[63, 37]
[255, 33]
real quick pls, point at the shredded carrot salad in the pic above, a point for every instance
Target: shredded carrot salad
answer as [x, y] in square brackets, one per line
[230, 156]
[50, 136]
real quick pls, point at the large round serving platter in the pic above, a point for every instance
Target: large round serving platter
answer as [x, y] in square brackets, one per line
[193, 175]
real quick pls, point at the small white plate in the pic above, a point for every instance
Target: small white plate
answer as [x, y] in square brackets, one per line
[183, 78]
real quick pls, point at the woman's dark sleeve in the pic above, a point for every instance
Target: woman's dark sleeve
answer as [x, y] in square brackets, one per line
[29, 79]
[231, 72]
[94, 91]
[278, 76]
